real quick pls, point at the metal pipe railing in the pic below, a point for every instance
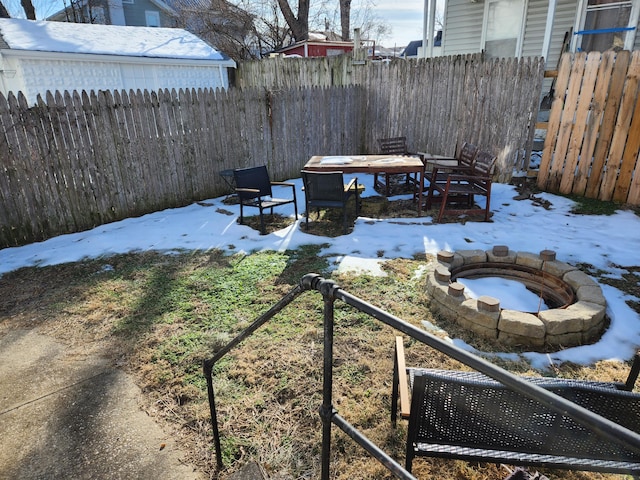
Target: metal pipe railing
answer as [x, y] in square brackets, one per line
[330, 292]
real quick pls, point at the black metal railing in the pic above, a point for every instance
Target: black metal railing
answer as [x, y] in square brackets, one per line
[330, 292]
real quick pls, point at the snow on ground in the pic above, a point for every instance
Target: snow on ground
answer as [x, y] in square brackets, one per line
[609, 243]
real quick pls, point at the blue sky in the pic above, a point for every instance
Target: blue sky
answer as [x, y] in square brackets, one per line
[404, 17]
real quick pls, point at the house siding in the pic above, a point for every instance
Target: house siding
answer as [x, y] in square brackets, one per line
[134, 14]
[536, 24]
[463, 27]
[37, 76]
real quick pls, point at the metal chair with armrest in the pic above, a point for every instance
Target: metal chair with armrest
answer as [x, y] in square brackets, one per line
[253, 187]
[328, 190]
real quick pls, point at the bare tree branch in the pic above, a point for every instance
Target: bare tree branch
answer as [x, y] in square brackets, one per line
[345, 18]
[3, 11]
[29, 11]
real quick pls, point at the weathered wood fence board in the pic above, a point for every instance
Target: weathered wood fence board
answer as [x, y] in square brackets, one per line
[593, 138]
[436, 103]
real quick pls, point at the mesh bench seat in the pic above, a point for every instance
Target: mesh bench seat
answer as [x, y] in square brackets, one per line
[469, 416]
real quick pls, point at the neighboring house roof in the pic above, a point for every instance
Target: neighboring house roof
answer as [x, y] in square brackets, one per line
[166, 6]
[86, 38]
[411, 50]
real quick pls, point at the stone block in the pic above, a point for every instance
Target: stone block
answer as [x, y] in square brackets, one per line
[577, 279]
[521, 324]
[518, 340]
[561, 320]
[456, 289]
[592, 334]
[470, 313]
[442, 274]
[472, 256]
[591, 294]
[500, 250]
[440, 292]
[449, 301]
[558, 269]
[501, 257]
[548, 255]
[592, 314]
[445, 256]
[488, 304]
[458, 261]
[565, 339]
[430, 283]
[444, 312]
[478, 329]
[528, 259]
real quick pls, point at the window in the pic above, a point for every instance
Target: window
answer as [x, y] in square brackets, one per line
[152, 18]
[502, 28]
[606, 25]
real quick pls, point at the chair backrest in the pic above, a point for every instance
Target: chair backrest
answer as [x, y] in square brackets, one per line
[393, 146]
[484, 164]
[467, 154]
[325, 186]
[255, 178]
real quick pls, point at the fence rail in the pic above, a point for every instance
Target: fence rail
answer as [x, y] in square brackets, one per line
[593, 137]
[77, 160]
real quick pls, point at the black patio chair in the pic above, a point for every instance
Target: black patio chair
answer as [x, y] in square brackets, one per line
[327, 190]
[253, 188]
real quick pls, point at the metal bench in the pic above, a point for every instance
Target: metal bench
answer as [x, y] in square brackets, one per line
[469, 416]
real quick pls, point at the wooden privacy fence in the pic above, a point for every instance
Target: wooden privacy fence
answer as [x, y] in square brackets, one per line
[593, 138]
[74, 161]
[437, 103]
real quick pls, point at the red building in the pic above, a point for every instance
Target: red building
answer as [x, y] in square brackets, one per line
[317, 48]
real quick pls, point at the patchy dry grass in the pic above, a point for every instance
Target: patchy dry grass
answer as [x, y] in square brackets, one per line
[158, 316]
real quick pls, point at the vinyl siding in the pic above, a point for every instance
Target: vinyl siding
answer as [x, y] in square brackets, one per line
[536, 23]
[463, 27]
[134, 14]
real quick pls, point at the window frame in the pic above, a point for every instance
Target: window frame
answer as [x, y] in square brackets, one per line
[485, 24]
[581, 18]
[152, 13]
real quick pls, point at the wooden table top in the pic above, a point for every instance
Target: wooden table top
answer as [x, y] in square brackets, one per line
[365, 163]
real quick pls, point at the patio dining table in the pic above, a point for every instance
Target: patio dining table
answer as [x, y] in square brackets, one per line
[371, 164]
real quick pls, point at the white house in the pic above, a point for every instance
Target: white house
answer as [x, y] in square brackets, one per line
[141, 13]
[36, 56]
[529, 28]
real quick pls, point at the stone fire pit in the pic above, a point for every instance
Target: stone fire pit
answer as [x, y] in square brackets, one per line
[576, 313]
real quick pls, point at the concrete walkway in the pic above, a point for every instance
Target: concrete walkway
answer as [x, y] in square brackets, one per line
[66, 415]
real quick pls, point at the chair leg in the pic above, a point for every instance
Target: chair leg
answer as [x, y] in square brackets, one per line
[488, 210]
[443, 205]
[344, 219]
[262, 227]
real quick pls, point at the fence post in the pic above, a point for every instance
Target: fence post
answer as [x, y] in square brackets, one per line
[327, 289]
